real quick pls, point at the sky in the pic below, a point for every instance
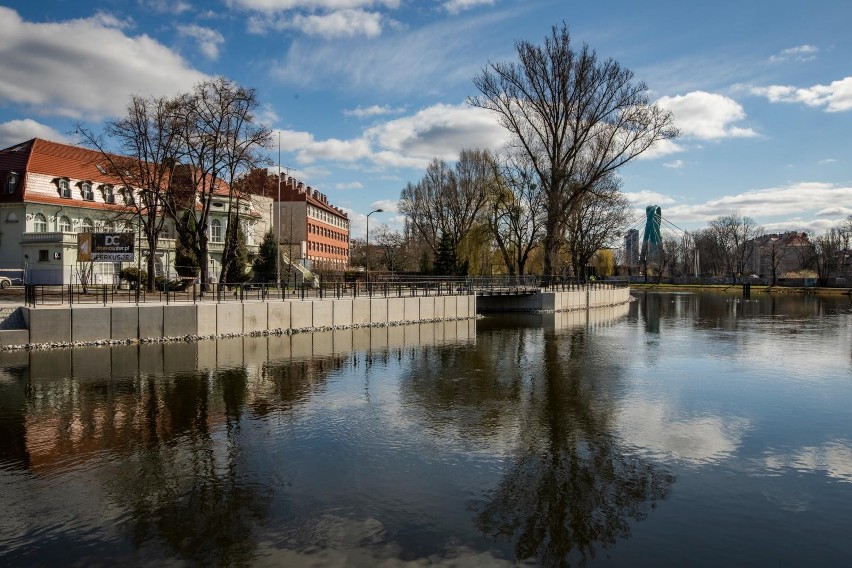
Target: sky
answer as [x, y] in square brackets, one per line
[362, 94]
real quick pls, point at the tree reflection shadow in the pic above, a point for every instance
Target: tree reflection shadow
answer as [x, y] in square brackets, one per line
[185, 488]
[571, 489]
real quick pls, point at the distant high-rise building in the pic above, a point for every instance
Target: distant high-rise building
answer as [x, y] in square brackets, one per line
[631, 247]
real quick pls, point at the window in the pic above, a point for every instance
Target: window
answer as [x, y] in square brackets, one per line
[109, 195]
[129, 227]
[64, 224]
[86, 190]
[87, 226]
[39, 223]
[216, 231]
[109, 227]
[43, 255]
[127, 196]
[12, 182]
[65, 188]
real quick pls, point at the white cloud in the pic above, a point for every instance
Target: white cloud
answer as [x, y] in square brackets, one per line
[175, 7]
[439, 131]
[772, 204]
[273, 6]
[661, 148]
[16, 131]
[798, 53]
[827, 161]
[408, 142]
[456, 6]
[645, 197]
[386, 205]
[350, 185]
[406, 63]
[707, 116]
[42, 68]
[208, 39]
[341, 23]
[375, 110]
[835, 97]
[832, 458]
[698, 440]
[674, 164]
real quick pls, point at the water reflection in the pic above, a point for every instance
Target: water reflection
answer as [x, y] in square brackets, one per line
[571, 488]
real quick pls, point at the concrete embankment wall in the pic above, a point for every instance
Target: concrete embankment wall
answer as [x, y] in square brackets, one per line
[577, 299]
[190, 356]
[82, 323]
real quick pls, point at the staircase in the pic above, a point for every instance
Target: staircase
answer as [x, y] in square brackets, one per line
[11, 318]
[307, 276]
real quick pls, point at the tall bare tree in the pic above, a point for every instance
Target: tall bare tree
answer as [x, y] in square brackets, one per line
[516, 212]
[576, 117]
[733, 234]
[447, 201]
[220, 139]
[147, 146]
[594, 222]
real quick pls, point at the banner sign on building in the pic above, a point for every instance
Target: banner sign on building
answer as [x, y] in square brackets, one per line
[105, 247]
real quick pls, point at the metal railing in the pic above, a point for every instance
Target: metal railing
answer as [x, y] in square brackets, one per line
[384, 287]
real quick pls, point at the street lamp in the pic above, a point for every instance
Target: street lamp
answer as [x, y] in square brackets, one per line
[368, 241]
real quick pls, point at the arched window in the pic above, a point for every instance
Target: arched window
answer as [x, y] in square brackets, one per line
[87, 226]
[64, 224]
[216, 231]
[39, 223]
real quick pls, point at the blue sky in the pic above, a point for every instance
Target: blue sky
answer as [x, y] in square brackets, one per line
[365, 92]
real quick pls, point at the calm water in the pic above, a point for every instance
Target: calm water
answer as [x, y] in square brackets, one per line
[684, 429]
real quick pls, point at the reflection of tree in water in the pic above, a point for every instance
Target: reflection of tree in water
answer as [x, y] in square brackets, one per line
[13, 417]
[477, 390]
[179, 487]
[571, 489]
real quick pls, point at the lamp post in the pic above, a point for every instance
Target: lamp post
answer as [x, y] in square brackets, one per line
[368, 241]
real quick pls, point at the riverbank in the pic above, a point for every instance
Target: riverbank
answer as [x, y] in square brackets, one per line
[737, 288]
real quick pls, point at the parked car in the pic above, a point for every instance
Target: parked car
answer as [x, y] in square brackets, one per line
[5, 281]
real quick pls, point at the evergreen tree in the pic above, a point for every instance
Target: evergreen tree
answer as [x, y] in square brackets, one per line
[446, 261]
[186, 259]
[237, 261]
[265, 268]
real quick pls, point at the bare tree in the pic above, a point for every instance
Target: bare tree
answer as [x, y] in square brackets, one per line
[147, 147]
[516, 212]
[219, 140]
[827, 258]
[448, 201]
[594, 223]
[733, 234]
[391, 244]
[576, 117]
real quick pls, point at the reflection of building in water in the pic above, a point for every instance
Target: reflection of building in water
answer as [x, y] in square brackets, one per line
[72, 404]
[631, 247]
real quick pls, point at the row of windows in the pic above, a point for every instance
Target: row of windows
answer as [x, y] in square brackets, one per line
[64, 225]
[322, 231]
[322, 247]
[88, 194]
[327, 217]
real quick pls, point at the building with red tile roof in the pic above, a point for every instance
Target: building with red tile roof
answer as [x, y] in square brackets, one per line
[52, 191]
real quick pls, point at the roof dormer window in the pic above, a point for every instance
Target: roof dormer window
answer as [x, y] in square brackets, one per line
[64, 185]
[86, 191]
[11, 182]
[127, 196]
[109, 194]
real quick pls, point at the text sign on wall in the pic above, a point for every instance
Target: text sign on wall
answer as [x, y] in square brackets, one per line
[105, 247]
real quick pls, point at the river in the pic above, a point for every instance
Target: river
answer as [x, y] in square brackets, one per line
[681, 429]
